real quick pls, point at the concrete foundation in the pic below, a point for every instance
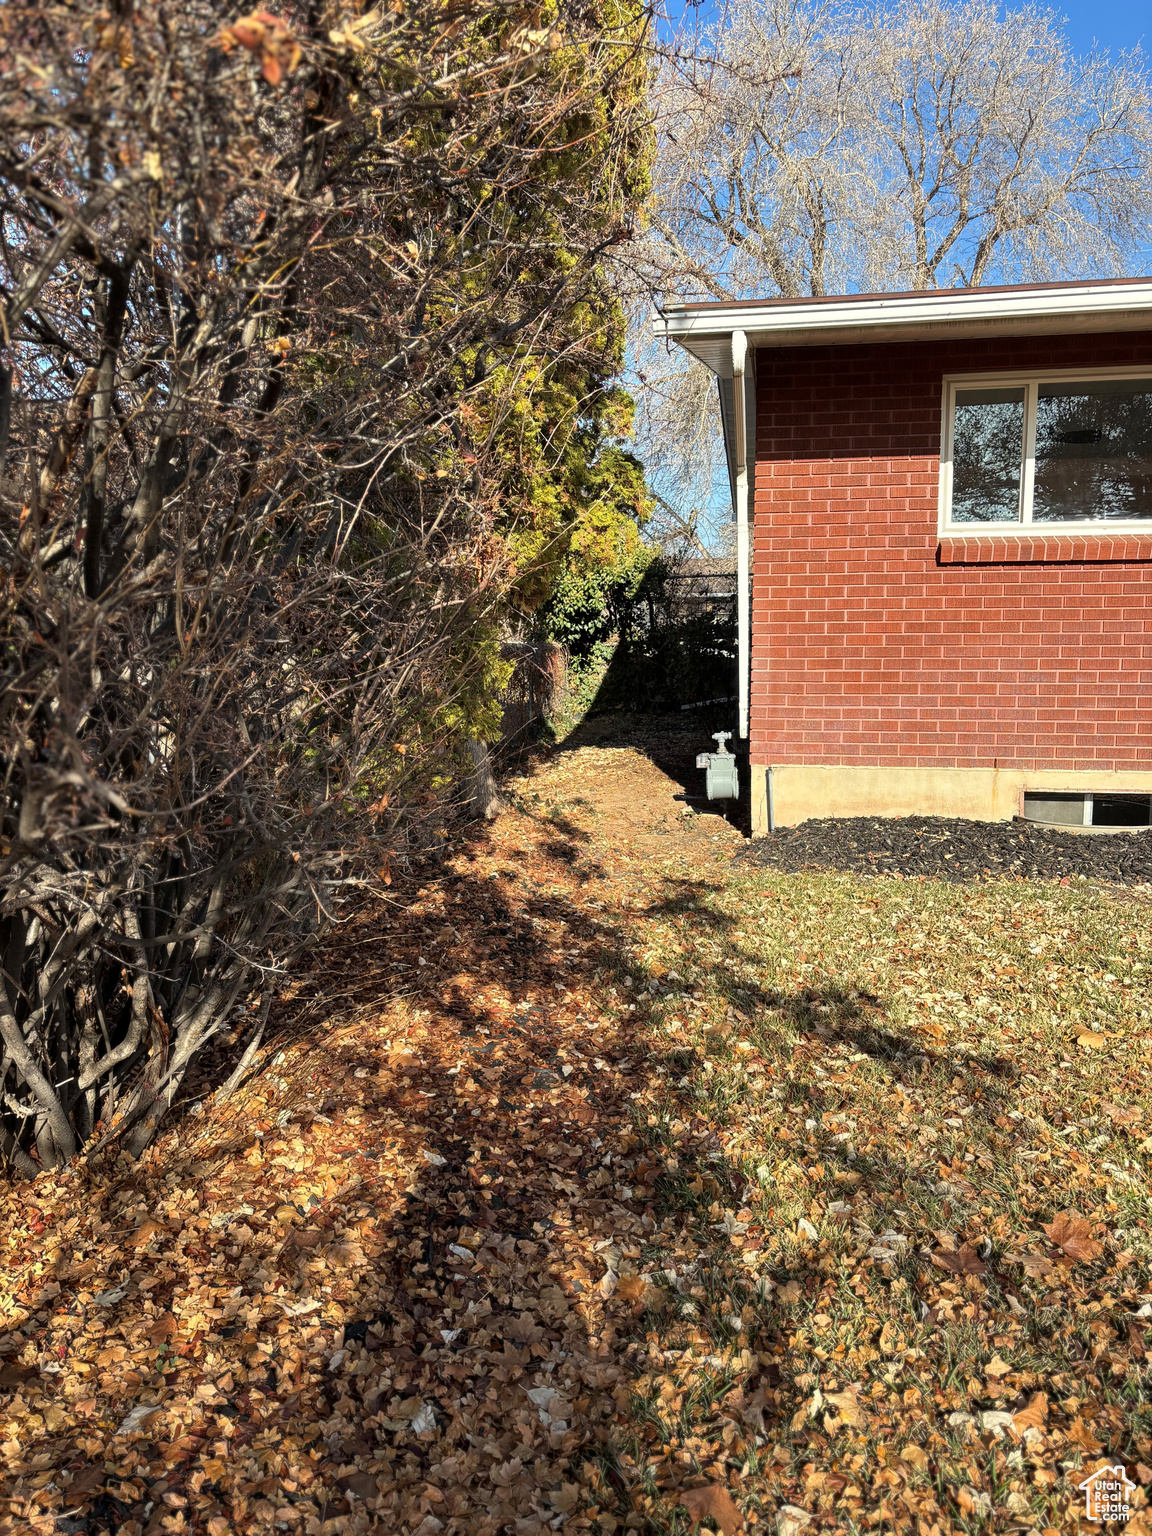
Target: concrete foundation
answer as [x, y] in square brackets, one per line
[802, 791]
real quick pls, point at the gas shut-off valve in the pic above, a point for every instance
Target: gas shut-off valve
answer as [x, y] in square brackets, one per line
[721, 780]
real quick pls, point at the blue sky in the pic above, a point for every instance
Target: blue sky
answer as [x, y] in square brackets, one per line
[1117, 25]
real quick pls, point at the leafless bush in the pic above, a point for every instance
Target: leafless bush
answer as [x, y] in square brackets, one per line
[255, 412]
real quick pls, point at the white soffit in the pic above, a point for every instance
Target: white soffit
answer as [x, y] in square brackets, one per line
[937, 314]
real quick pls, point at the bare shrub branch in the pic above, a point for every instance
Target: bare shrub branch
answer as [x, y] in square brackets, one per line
[271, 290]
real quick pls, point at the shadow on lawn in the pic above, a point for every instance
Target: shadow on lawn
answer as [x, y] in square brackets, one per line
[509, 1132]
[503, 1151]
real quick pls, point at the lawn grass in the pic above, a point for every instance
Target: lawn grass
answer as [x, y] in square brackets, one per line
[887, 1091]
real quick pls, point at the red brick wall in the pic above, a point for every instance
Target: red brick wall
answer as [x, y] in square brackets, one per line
[868, 646]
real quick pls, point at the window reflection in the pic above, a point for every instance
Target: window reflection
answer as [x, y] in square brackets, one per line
[1093, 452]
[987, 452]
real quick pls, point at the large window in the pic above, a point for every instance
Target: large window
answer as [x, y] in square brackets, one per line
[1054, 450]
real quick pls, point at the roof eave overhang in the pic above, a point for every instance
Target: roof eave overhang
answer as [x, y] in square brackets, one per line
[706, 332]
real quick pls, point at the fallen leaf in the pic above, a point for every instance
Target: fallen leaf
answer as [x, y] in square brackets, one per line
[1120, 1114]
[522, 1330]
[551, 1407]
[345, 1255]
[1032, 1263]
[974, 1501]
[848, 1408]
[1073, 1236]
[138, 1417]
[1090, 1040]
[1084, 1436]
[13, 1375]
[362, 1485]
[966, 1262]
[1035, 1416]
[268, 36]
[791, 1520]
[888, 1246]
[320, 1350]
[84, 1483]
[146, 1232]
[712, 1502]
[752, 1411]
[163, 1327]
[296, 1308]
[892, 1339]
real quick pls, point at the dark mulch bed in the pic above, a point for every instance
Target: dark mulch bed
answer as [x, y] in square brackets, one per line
[943, 848]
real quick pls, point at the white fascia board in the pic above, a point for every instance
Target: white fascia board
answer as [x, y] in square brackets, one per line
[935, 314]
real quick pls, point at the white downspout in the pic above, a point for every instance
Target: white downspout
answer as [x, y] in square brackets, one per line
[739, 358]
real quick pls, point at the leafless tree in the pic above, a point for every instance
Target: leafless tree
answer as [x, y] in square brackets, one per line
[256, 408]
[678, 435]
[810, 148]
[933, 143]
[1001, 156]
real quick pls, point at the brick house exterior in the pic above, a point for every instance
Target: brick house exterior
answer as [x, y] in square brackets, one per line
[897, 664]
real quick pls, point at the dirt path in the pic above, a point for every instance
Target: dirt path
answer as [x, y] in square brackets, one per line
[626, 811]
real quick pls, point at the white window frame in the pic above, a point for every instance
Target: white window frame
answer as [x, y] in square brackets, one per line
[1024, 527]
